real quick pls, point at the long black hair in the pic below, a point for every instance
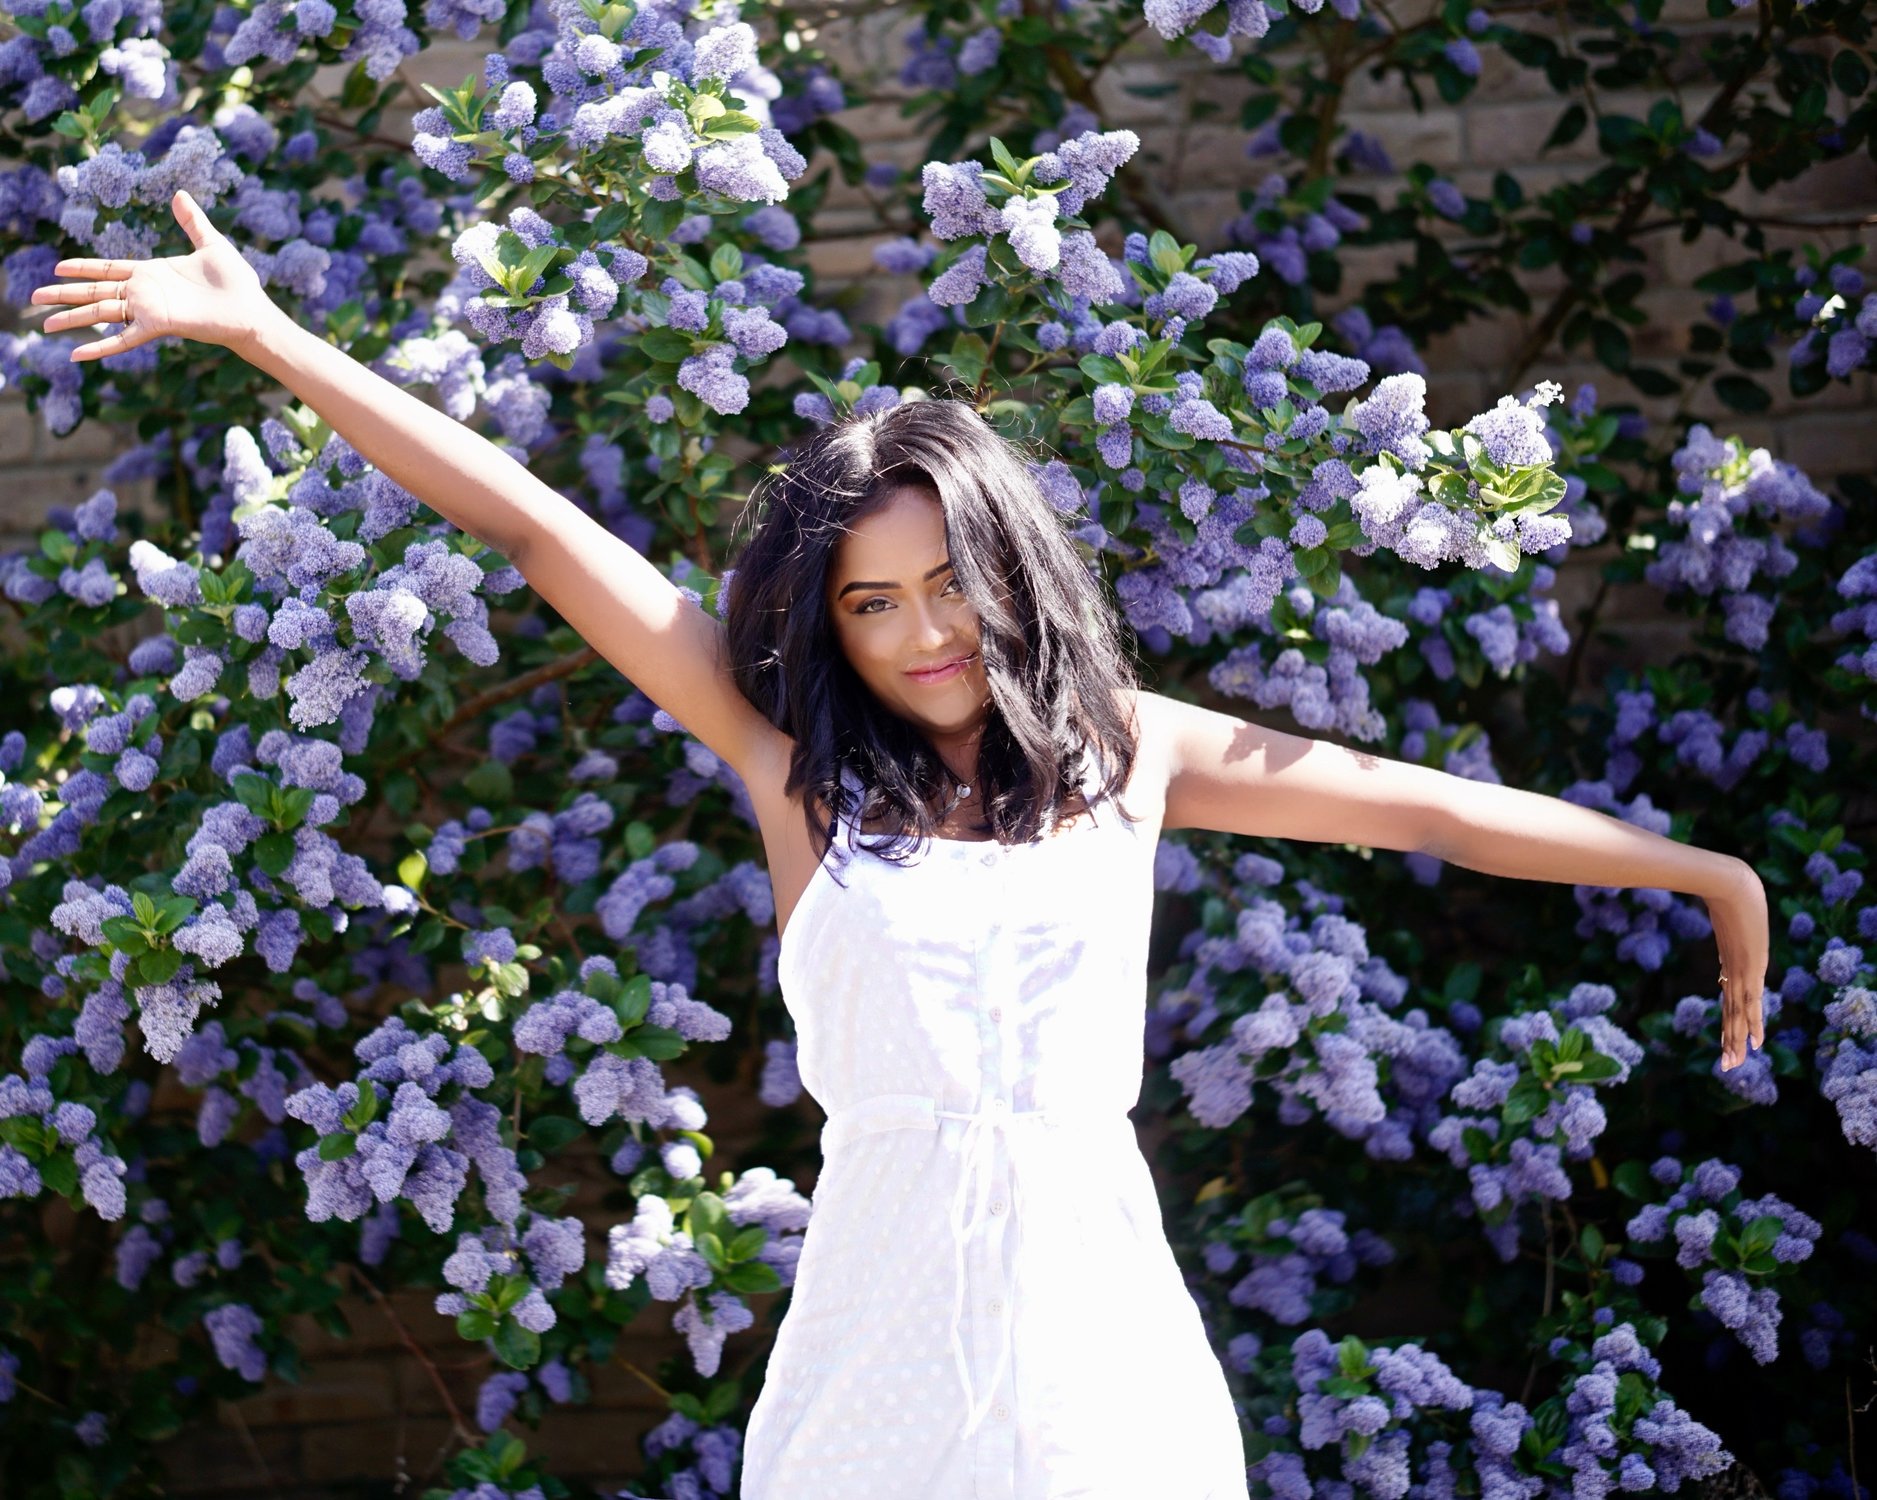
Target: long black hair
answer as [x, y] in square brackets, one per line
[1048, 637]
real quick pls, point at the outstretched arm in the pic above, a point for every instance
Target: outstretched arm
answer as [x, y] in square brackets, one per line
[1236, 777]
[618, 602]
[614, 598]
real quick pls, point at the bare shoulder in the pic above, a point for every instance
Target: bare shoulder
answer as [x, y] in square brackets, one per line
[1146, 792]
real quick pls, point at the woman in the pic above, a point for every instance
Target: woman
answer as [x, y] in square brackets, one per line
[959, 787]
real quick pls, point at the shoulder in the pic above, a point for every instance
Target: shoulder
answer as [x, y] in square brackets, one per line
[1146, 715]
[1153, 717]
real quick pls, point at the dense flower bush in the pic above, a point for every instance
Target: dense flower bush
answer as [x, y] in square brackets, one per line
[337, 958]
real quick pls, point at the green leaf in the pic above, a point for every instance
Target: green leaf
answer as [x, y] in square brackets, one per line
[1103, 370]
[634, 1000]
[492, 781]
[726, 262]
[337, 1146]
[659, 1042]
[1528, 1098]
[475, 1323]
[667, 345]
[517, 1347]
[1352, 1358]
[752, 1276]
[125, 933]
[1569, 127]
[365, 1110]
[969, 355]
[60, 1173]
[1742, 394]
[1632, 1180]
[158, 966]
[610, 220]
[1162, 436]
[748, 1240]
[273, 852]
[551, 1132]
[991, 305]
[1164, 251]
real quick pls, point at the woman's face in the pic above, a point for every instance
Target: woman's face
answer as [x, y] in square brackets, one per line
[902, 618]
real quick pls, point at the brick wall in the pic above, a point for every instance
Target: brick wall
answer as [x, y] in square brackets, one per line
[367, 1414]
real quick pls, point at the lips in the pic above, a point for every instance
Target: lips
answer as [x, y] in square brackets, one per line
[944, 671]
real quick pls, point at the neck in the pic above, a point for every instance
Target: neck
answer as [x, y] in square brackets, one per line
[959, 750]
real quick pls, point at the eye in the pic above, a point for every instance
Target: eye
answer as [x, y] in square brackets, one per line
[949, 582]
[866, 605]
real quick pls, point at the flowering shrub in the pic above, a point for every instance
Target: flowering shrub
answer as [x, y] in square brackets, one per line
[338, 958]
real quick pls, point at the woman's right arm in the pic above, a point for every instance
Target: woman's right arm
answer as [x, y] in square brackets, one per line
[616, 600]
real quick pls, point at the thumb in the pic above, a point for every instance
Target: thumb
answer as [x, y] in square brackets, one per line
[189, 214]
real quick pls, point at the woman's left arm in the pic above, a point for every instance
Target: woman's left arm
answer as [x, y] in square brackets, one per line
[1236, 777]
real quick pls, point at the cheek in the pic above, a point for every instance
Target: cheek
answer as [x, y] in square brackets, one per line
[864, 643]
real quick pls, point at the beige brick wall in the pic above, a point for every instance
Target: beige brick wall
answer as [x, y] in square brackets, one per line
[366, 1412]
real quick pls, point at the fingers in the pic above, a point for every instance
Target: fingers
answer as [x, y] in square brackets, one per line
[1741, 1019]
[110, 310]
[102, 270]
[189, 214]
[117, 343]
[83, 291]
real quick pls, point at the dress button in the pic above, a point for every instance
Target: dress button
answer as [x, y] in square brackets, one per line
[997, 1304]
[999, 1104]
[997, 1012]
[1002, 1412]
[997, 1205]
[989, 856]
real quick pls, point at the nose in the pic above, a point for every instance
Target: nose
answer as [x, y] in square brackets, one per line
[931, 627]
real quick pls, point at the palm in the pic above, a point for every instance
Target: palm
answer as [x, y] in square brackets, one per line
[211, 295]
[201, 296]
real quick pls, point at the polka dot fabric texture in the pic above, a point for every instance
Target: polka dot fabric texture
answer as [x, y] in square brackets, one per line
[986, 1306]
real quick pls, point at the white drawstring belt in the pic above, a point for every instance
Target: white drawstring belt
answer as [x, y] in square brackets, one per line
[921, 1111]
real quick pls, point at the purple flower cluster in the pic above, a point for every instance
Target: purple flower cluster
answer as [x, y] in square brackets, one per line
[1290, 1258]
[1847, 1062]
[1283, 229]
[652, 1247]
[422, 1149]
[1727, 534]
[55, 1143]
[1309, 1021]
[960, 205]
[1728, 1239]
[1521, 1118]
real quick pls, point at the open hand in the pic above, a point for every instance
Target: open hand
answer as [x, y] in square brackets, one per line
[213, 295]
[1740, 931]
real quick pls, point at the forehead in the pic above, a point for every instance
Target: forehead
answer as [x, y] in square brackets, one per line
[897, 541]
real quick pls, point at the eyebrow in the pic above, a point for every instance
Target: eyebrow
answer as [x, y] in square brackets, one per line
[848, 588]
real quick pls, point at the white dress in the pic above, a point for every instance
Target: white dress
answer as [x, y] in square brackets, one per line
[986, 1306]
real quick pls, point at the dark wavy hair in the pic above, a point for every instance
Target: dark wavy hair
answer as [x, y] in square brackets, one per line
[1048, 637]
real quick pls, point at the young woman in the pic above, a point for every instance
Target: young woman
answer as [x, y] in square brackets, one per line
[959, 786]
